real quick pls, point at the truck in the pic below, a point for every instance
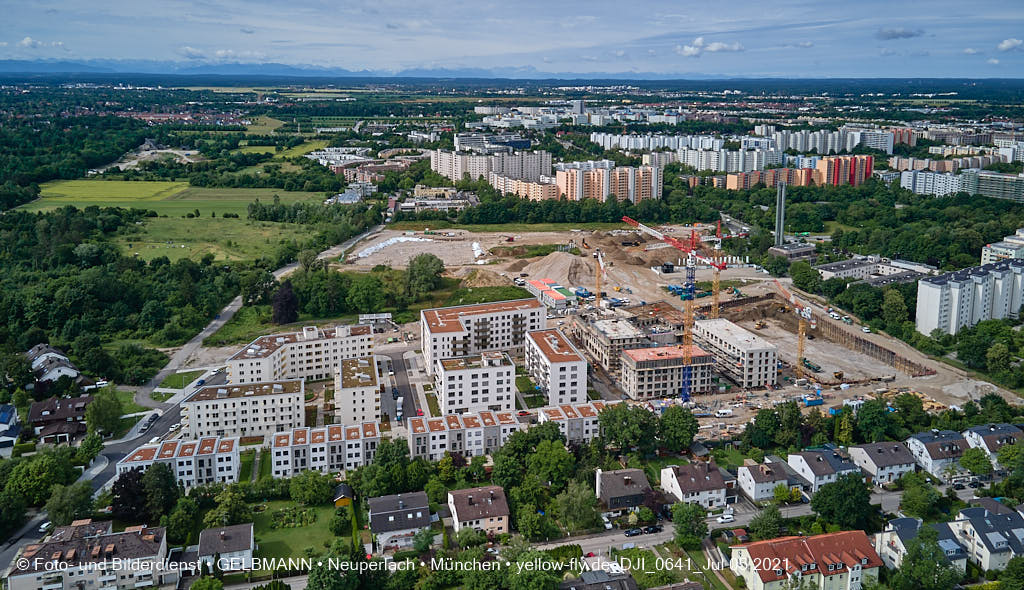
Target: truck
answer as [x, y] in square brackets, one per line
[723, 413]
[812, 400]
[812, 366]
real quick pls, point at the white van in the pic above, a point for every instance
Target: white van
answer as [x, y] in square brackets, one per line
[723, 413]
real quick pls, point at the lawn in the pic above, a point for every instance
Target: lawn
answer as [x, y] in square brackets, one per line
[504, 227]
[467, 296]
[253, 321]
[225, 238]
[530, 251]
[263, 125]
[287, 542]
[728, 457]
[127, 399]
[160, 396]
[652, 466]
[246, 459]
[258, 149]
[125, 425]
[303, 148]
[435, 410]
[265, 466]
[180, 380]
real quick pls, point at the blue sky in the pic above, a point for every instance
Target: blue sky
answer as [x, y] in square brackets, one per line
[803, 38]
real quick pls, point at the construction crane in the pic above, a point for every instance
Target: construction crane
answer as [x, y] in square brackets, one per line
[598, 271]
[804, 317]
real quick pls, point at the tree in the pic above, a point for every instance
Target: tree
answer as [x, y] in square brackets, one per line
[533, 578]
[231, 508]
[446, 470]
[91, 446]
[998, 358]
[920, 498]
[311, 488]
[767, 523]
[873, 420]
[533, 525]
[976, 461]
[12, 512]
[436, 491]
[470, 537]
[805, 277]
[761, 434]
[894, 309]
[183, 520]
[845, 502]
[552, 463]
[341, 522]
[423, 539]
[366, 294]
[285, 306]
[423, 275]
[477, 468]
[782, 494]
[576, 507]
[1009, 455]
[161, 489]
[1013, 575]
[690, 525]
[309, 261]
[32, 479]
[776, 265]
[677, 428]
[207, 583]
[103, 414]
[627, 427]
[925, 566]
[129, 496]
[69, 503]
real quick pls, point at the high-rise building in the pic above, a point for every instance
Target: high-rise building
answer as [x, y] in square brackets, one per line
[477, 383]
[599, 179]
[957, 300]
[930, 183]
[556, 366]
[465, 330]
[745, 358]
[843, 170]
[357, 390]
[522, 165]
[994, 184]
[313, 353]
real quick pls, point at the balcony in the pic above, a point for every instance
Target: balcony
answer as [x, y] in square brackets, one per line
[143, 583]
[108, 578]
[53, 585]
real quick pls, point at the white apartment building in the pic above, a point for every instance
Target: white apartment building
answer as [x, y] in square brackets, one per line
[922, 182]
[578, 423]
[746, 359]
[475, 383]
[1010, 247]
[616, 141]
[468, 435]
[251, 409]
[722, 160]
[357, 390]
[556, 366]
[699, 482]
[659, 371]
[961, 299]
[193, 462]
[327, 449]
[311, 354]
[464, 330]
[938, 452]
[522, 165]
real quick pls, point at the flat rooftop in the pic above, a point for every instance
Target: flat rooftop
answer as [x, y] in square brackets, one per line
[658, 353]
[446, 319]
[228, 390]
[553, 344]
[264, 346]
[484, 359]
[795, 247]
[661, 310]
[842, 265]
[737, 336]
[617, 328]
[359, 372]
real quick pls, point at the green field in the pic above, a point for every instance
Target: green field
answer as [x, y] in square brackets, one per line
[258, 149]
[173, 199]
[304, 148]
[264, 125]
[180, 380]
[226, 239]
[292, 541]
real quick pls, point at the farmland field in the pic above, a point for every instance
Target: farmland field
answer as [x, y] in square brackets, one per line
[166, 198]
[226, 239]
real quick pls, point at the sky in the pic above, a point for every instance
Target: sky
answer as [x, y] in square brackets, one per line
[736, 38]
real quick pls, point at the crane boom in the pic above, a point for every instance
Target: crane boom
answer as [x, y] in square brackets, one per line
[599, 269]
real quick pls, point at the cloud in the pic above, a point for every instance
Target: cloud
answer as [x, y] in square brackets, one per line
[546, 59]
[30, 43]
[993, 61]
[886, 52]
[971, 51]
[620, 53]
[247, 30]
[804, 44]
[391, 26]
[898, 33]
[1008, 44]
[688, 50]
[719, 46]
[3, 43]
[191, 52]
[699, 46]
[232, 54]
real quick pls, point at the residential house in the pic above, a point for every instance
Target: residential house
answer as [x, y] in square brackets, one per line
[230, 548]
[700, 482]
[821, 467]
[834, 561]
[600, 579]
[758, 482]
[990, 539]
[249, 409]
[10, 429]
[193, 462]
[484, 509]
[938, 452]
[892, 542]
[578, 423]
[59, 419]
[328, 449]
[622, 489]
[395, 519]
[50, 364]
[469, 435]
[992, 437]
[883, 462]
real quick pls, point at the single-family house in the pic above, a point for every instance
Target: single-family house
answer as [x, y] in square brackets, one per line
[396, 518]
[484, 508]
[59, 419]
[622, 489]
[231, 547]
[990, 539]
[883, 462]
[821, 467]
[892, 542]
[992, 437]
[700, 482]
[758, 481]
[938, 452]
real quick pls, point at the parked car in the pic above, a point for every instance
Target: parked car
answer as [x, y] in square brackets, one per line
[725, 518]
[523, 413]
[648, 530]
[634, 532]
[45, 526]
[959, 486]
[974, 485]
[419, 411]
[589, 554]
[866, 330]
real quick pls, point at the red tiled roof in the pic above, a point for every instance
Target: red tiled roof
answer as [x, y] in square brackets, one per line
[842, 550]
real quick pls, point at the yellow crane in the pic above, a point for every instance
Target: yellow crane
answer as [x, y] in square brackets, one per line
[803, 314]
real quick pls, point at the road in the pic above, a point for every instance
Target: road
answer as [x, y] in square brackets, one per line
[105, 465]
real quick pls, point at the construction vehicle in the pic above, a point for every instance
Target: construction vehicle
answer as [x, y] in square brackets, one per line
[838, 375]
[586, 246]
[812, 366]
[759, 324]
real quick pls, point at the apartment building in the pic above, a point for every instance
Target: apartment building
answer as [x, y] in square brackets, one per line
[699, 482]
[475, 383]
[992, 437]
[883, 462]
[660, 371]
[471, 329]
[821, 467]
[938, 452]
[357, 389]
[993, 184]
[600, 179]
[1009, 248]
[960, 299]
[892, 542]
[327, 449]
[312, 354]
[578, 423]
[769, 178]
[939, 184]
[843, 170]
[836, 561]
[468, 435]
[722, 160]
[522, 165]
[250, 409]
[991, 540]
[605, 339]
[539, 190]
[484, 509]
[746, 359]
[648, 142]
[556, 366]
[193, 462]
[83, 555]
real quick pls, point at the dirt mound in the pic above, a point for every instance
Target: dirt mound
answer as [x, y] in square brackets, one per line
[484, 278]
[562, 267]
[518, 265]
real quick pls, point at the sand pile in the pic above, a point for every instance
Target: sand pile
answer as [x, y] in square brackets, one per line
[484, 278]
[518, 265]
[562, 267]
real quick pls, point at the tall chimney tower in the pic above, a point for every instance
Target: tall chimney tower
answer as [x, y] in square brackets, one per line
[780, 214]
